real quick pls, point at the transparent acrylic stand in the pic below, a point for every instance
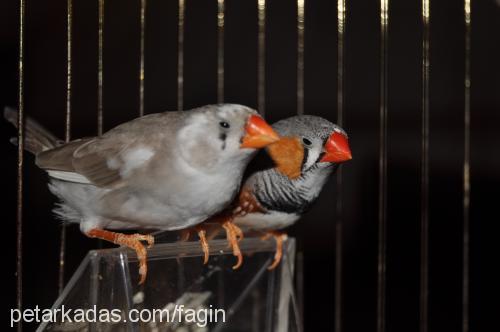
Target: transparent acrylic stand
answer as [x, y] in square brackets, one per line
[252, 297]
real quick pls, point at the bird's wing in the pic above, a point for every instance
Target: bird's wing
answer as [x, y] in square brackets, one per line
[106, 160]
[247, 202]
[83, 161]
[60, 158]
[101, 160]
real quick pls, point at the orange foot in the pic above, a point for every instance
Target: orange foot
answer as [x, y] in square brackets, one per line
[234, 235]
[206, 231]
[202, 234]
[132, 241]
[279, 238]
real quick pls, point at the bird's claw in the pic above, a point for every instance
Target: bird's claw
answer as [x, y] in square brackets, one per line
[202, 234]
[147, 238]
[132, 241]
[279, 238]
[234, 234]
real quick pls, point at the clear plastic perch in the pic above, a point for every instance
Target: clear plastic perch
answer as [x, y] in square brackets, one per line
[180, 293]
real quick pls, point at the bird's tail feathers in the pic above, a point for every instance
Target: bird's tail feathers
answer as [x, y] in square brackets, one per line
[65, 210]
[36, 137]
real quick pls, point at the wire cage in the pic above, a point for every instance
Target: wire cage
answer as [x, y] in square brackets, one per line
[393, 243]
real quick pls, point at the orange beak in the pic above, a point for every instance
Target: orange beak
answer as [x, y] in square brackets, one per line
[258, 133]
[337, 149]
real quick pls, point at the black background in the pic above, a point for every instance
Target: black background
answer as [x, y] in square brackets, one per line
[45, 90]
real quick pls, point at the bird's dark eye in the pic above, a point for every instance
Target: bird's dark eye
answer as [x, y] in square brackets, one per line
[306, 141]
[224, 124]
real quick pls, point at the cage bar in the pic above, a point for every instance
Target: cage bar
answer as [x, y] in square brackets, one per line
[67, 131]
[20, 164]
[69, 38]
[424, 208]
[261, 57]
[341, 12]
[100, 68]
[141, 64]
[180, 55]
[220, 51]
[382, 186]
[466, 170]
[300, 56]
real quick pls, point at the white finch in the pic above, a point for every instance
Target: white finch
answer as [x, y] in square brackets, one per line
[164, 171]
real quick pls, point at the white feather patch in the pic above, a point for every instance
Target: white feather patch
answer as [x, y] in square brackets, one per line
[69, 176]
[135, 159]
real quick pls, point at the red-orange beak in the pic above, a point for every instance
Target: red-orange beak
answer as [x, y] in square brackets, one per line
[258, 133]
[337, 149]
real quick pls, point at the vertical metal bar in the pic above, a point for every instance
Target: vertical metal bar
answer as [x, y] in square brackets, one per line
[69, 31]
[141, 67]
[382, 196]
[300, 56]
[67, 134]
[341, 10]
[299, 284]
[220, 51]
[339, 202]
[99, 69]
[20, 165]
[180, 56]
[220, 99]
[261, 57]
[466, 175]
[424, 236]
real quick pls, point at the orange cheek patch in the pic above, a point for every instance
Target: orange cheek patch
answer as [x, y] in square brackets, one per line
[288, 154]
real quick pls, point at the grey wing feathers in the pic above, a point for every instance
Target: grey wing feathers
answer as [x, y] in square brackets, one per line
[87, 160]
[92, 161]
[86, 157]
[61, 157]
[36, 137]
[100, 160]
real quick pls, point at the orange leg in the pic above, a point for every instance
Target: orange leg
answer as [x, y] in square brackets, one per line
[279, 238]
[234, 235]
[238, 232]
[185, 234]
[132, 241]
[203, 241]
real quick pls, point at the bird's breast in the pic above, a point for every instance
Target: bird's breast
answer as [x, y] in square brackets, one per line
[272, 220]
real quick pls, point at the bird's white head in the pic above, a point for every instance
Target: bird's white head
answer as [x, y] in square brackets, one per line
[226, 134]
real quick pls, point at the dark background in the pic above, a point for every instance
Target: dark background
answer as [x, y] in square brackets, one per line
[45, 89]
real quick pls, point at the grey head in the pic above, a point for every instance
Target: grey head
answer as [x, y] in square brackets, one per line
[277, 192]
[314, 133]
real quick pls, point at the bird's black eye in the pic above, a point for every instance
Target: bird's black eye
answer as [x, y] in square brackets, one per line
[306, 141]
[224, 124]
